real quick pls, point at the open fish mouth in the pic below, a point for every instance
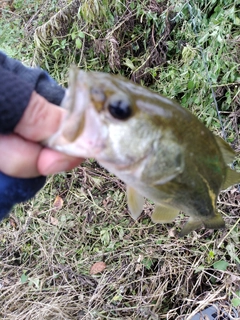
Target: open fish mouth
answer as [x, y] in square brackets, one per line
[81, 133]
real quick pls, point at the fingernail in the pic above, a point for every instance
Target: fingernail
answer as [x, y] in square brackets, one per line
[56, 167]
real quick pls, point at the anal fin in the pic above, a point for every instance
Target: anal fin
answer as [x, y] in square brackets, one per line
[163, 214]
[135, 202]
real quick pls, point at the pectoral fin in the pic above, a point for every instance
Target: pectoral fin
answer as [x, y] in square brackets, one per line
[164, 214]
[135, 202]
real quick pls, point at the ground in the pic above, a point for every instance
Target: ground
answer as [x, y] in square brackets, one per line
[49, 245]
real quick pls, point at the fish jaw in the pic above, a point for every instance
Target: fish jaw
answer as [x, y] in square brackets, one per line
[82, 132]
[90, 143]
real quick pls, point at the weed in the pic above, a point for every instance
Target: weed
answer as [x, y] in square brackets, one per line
[180, 49]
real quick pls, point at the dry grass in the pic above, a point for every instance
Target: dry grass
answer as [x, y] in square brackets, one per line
[47, 250]
[46, 255]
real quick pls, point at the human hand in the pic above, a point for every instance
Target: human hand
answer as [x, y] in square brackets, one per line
[22, 155]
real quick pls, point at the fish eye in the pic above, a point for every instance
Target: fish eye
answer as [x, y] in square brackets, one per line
[120, 108]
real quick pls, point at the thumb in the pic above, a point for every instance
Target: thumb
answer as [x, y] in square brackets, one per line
[40, 119]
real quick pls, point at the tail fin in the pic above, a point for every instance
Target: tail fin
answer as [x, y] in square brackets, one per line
[214, 222]
[189, 226]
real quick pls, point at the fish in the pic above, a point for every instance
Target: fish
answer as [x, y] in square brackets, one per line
[158, 148]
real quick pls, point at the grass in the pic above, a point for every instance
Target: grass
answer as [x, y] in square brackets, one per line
[47, 254]
[47, 247]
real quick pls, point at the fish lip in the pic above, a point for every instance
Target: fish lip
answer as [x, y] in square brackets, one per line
[75, 102]
[81, 152]
[81, 133]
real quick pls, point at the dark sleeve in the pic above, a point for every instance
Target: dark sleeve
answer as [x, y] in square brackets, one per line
[17, 83]
[14, 97]
[16, 190]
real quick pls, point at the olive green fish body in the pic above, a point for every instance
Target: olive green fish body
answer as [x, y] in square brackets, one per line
[159, 149]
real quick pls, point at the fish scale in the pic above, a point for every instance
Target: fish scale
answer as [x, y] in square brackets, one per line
[159, 149]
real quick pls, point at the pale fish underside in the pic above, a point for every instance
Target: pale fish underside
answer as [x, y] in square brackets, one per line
[159, 149]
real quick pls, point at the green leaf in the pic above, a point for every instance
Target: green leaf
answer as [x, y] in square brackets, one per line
[73, 35]
[200, 268]
[190, 84]
[221, 265]
[24, 278]
[211, 254]
[117, 298]
[147, 262]
[78, 43]
[237, 21]
[129, 64]
[34, 281]
[81, 34]
[105, 236]
[235, 302]
[232, 252]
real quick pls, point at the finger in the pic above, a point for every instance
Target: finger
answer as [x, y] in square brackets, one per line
[25, 159]
[51, 161]
[18, 156]
[40, 120]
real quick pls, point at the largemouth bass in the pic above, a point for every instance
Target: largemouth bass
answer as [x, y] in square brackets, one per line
[159, 149]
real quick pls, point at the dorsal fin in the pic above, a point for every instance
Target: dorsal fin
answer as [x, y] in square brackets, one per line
[227, 152]
[232, 177]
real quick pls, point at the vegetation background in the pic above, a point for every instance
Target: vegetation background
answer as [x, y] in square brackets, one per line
[186, 50]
